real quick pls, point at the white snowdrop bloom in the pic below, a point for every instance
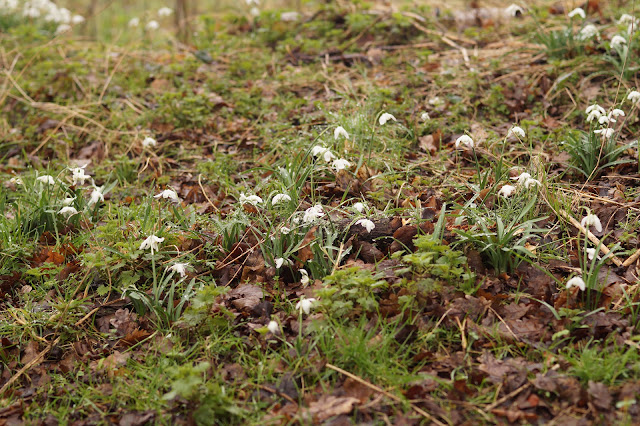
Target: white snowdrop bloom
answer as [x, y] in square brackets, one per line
[522, 178]
[254, 11]
[591, 220]
[359, 207]
[594, 115]
[8, 5]
[318, 151]
[304, 305]
[285, 230]
[68, 211]
[513, 10]
[152, 26]
[96, 196]
[507, 190]
[77, 19]
[618, 41]
[517, 131]
[252, 2]
[591, 253]
[595, 109]
[304, 277]
[528, 182]
[464, 140]
[279, 261]
[576, 282]
[151, 243]
[149, 141]
[340, 131]
[634, 96]
[312, 213]
[16, 180]
[179, 268]
[578, 11]
[626, 19]
[425, 116]
[366, 224]
[48, 179]
[134, 22]
[68, 201]
[587, 32]
[289, 16]
[435, 101]
[63, 28]
[250, 199]
[605, 133]
[614, 114]
[384, 118]
[279, 198]
[273, 327]
[78, 176]
[168, 194]
[31, 12]
[341, 164]
[164, 12]
[603, 120]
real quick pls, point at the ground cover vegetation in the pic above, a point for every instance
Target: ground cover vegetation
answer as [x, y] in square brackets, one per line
[320, 213]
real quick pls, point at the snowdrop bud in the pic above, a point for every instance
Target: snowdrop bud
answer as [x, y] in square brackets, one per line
[634, 97]
[507, 190]
[273, 327]
[152, 26]
[340, 131]
[384, 118]
[134, 22]
[304, 279]
[576, 282]
[425, 116]
[68, 211]
[517, 131]
[148, 141]
[592, 220]
[578, 11]
[279, 198]
[359, 207]
[250, 199]
[366, 224]
[464, 140]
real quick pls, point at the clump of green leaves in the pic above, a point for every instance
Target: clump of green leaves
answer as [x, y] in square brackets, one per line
[591, 154]
[212, 403]
[351, 289]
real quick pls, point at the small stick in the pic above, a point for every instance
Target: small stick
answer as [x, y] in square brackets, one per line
[631, 259]
[506, 397]
[385, 393]
[28, 365]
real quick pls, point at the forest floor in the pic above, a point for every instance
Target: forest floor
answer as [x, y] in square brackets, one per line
[354, 214]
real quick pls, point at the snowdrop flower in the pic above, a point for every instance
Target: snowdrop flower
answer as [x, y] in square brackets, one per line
[594, 111]
[634, 96]
[273, 327]
[615, 114]
[96, 196]
[254, 11]
[77, 19]
[78, 176]
[16, 180]
[304, 305]
[507, 190]
[169, 194]
[340, 131]
[425, 116]
[68, 201]
[318, 150]
[68, 211]
[578, 11]
[366, 224]
[289, 16]
[626, 19]
[304, 279]
[149, 141]
[341, 164]
[522, 178]
[464, 140]
[591, 220]
[591, 253]
[279, 261]
[284, 230]
[152, 26]
[576, 282]
[517, 131]
[513, 10]
[179, 268]
[359, 207]
[31, 12]
[528, 182]
[618, 41]
[278, 198]
[134, 22]
[606, 133]
[587, 32]
[251, 199]
[164, 11]
[386, 117]
[151, 243]
[62, 28]
[312, 213]
[48, 179]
